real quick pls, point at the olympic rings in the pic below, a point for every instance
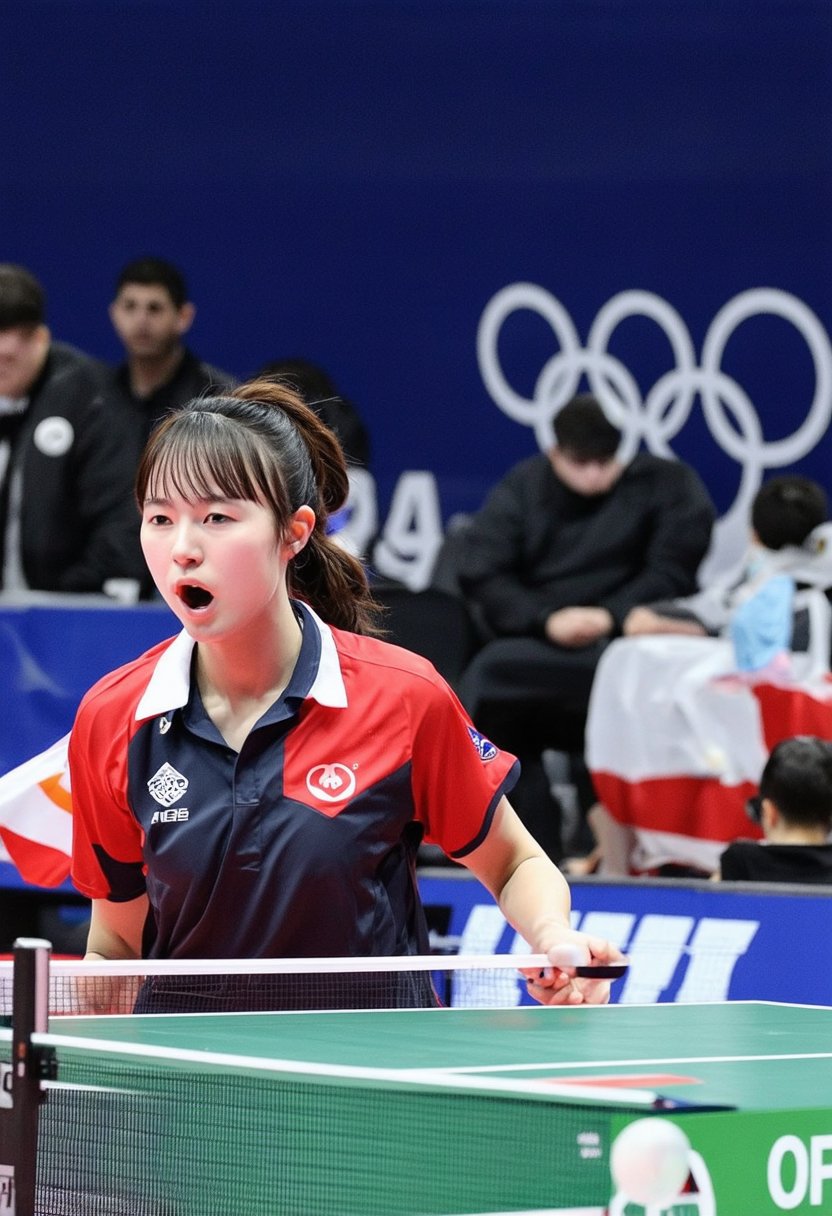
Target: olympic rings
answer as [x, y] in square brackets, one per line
[656, 418]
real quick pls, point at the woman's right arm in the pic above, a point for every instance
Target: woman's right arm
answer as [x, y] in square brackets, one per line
[115, 933]
[116, 928]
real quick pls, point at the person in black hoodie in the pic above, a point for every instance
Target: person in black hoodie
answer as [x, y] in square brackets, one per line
[67, 519]
[794, 810]
[566, 544]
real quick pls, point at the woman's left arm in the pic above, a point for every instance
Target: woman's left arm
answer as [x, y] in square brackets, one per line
[535, 899]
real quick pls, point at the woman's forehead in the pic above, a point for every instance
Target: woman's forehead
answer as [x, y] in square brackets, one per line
[202, 473]
[193, 498]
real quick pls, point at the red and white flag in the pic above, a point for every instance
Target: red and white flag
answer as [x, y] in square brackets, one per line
[36, 816]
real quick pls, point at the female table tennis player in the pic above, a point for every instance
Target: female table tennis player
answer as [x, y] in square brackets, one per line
[258, 786]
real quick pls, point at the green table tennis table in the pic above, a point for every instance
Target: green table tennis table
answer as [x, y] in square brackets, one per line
[432, 1112]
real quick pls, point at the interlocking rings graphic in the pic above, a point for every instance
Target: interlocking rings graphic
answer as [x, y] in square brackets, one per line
[661, 414]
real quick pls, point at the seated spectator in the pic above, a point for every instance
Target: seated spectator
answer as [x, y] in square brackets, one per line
[666, 703]
[565, 546]
[68, 521]
[151, 314]
[794, 810]
[318, 391]
[785, 512]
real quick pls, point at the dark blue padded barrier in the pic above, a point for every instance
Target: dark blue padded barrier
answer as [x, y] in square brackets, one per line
[687, 940]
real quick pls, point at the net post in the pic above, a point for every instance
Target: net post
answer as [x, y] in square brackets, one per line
[31, 988]
[30, 1015]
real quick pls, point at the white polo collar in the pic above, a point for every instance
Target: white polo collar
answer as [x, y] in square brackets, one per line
[170, 684]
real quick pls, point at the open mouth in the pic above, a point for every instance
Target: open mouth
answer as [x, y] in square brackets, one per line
[195, 597]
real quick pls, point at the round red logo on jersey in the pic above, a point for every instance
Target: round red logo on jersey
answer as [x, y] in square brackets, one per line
[331, 782]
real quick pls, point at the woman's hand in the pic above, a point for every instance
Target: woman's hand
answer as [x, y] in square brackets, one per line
[560, 984]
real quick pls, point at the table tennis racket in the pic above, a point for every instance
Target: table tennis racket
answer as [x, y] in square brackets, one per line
[576, 957]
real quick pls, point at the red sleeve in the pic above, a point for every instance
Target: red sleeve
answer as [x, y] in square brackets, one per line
[458, 775]
[106, 838]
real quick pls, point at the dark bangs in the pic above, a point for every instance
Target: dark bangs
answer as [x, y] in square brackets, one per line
[201, 455]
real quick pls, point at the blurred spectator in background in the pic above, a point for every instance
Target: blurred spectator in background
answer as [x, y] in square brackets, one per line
[565, 546]
[794, 809]
[784, 513]
[319, 391]
[151, 314]
[67, 517]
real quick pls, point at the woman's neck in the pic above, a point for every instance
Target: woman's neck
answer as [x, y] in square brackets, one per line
[239, 679]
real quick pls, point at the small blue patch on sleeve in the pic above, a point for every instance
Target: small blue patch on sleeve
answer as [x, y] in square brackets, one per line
[485, 748]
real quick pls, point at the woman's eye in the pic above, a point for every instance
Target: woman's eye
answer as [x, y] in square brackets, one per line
[157, 520]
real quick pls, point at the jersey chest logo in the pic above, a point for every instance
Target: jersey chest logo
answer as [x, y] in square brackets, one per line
[167, 785]
[331, 782]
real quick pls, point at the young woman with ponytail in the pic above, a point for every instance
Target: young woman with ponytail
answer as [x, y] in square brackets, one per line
[259, 786]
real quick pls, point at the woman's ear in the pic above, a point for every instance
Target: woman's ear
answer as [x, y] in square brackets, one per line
[301, 526]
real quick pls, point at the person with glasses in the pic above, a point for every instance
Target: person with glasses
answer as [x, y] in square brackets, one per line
[794, 810]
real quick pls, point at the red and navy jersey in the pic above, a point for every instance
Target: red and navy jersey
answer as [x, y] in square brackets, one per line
[304, 842]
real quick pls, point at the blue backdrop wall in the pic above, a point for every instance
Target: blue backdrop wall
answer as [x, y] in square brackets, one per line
[362, 182]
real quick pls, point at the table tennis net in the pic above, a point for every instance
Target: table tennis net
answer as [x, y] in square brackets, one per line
[121, 1128]
[119, 1138]
[223, 986]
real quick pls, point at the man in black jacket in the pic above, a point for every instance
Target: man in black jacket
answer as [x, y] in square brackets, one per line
[565, 545]
[151, 314]
[67, 517]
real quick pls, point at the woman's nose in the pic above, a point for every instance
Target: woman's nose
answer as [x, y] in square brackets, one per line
[186, 549]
